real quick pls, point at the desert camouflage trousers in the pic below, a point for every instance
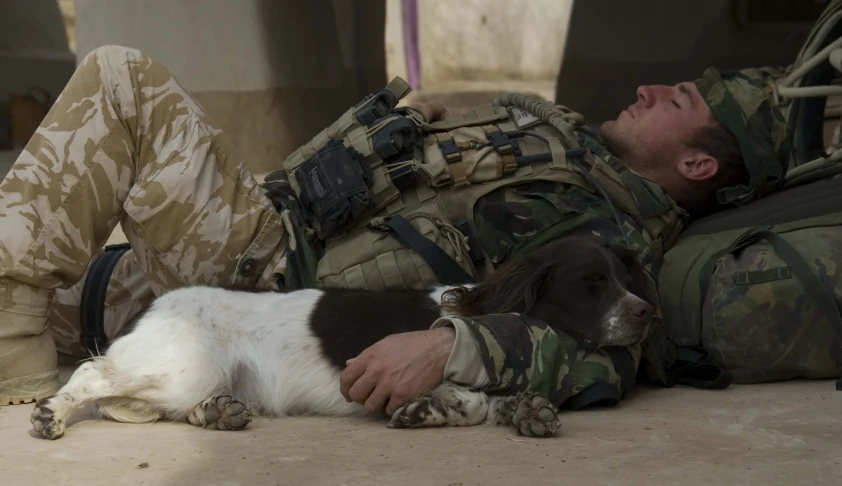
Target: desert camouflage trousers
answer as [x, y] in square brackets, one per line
[125, 144]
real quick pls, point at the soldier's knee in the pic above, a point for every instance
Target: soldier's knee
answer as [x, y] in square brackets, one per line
[114, 52]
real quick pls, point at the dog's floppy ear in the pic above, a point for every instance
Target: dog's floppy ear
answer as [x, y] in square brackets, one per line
[643, 285]
[514, 287]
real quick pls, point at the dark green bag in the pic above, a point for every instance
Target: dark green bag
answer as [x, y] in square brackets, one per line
[759, 287]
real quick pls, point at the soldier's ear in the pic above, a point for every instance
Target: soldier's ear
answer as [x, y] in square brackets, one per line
[698, 166]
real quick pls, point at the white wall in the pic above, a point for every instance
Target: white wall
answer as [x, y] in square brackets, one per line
[482, 40]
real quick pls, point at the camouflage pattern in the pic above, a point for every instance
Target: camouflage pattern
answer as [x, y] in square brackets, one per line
[745, 109]
[515, 220]
[553, 363]
[760, 322]
[516, 351]
[125, 144]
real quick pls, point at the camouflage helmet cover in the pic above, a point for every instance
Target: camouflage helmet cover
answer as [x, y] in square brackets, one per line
[745, 109]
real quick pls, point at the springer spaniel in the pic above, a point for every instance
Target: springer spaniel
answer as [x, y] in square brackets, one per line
[211, 356]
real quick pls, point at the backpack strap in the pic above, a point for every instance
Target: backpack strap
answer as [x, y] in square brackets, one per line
[92, 306]
[694, 367]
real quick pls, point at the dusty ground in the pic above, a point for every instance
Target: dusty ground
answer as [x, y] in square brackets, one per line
[785, 433]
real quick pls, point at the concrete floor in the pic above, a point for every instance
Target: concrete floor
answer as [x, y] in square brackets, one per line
[775, 434]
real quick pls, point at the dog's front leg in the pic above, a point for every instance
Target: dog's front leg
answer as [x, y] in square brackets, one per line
[447, 404]
[531, 414]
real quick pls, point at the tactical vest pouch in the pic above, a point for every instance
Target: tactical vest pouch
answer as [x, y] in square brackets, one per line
[334, 186]
[371, 257]
[758, 287]
[468, 155]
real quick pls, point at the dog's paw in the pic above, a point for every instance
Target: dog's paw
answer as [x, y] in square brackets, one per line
[409, 415]
[426, 411]
[224, 412]
[535, 416]
[44, 422]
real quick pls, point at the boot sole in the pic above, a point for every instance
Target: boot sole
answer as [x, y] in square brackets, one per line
[27, 389]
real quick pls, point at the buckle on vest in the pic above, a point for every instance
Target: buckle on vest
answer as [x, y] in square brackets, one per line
[500, 142]
[450, 151]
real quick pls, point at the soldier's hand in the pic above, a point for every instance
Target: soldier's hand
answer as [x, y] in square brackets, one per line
[432, 110]
[397, 369]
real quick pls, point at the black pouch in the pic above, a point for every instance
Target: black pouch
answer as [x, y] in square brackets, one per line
[397, 136]
[375, 106]
[334, 185]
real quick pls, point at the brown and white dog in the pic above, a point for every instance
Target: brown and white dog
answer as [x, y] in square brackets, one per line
[213, 357]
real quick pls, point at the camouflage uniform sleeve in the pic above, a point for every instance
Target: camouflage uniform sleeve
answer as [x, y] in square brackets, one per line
[511, 353]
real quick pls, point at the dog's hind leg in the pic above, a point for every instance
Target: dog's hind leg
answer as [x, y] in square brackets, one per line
[531, 414]
[128, 410]
[220, 412]
[93, 380]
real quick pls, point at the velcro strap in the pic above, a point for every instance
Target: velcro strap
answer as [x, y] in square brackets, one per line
[447, 271]
[398, 87]
[92, 305]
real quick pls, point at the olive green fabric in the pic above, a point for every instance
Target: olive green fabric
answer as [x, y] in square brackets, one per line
[744, 108]
[758, 287]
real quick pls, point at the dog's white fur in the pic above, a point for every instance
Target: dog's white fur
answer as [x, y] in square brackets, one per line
[198, 343]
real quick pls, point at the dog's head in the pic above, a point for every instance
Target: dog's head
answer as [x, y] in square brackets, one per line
[600, 295]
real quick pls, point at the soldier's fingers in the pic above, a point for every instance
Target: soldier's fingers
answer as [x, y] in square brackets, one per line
[426, 110]
[354, 370]
[377, 399]
[362, 388]
[395, 402]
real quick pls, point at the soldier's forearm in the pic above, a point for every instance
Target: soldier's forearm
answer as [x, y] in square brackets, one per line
[464, 364]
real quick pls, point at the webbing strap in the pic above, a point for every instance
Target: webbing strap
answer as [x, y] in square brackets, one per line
[398, 87]
[694, 367]
[504, 147]
[92, 306]
[453, 157]
[447, 271]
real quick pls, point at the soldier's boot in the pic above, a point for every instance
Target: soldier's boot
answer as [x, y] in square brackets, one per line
[28, 359]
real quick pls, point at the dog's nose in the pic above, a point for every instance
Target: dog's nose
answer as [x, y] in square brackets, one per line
[641, 311]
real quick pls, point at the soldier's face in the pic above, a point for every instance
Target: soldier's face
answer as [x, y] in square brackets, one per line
[650, 135]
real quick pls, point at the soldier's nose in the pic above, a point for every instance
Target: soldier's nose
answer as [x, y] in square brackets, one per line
[645, 96]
